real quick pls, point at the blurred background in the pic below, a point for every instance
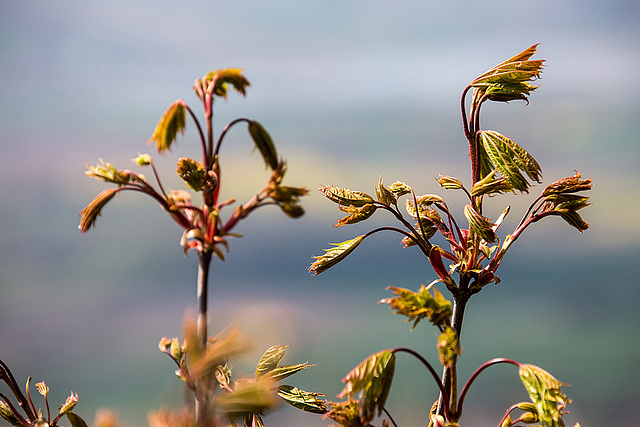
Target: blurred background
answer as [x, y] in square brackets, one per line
[349, 91]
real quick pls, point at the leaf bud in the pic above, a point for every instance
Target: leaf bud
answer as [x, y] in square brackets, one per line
[449, 182]
[142, 160]
[399, 188]
[7, 414]
[70, 403]
[192, 173]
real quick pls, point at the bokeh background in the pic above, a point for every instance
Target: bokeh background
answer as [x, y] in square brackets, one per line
[349, 91]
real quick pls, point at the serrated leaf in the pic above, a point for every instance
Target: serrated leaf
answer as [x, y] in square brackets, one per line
[303, 400]
[399, 188]
[247, 397]
[270, 360]
[570, 184]
[334, 255]
[264, 143]
[172, 122]
[356, 214]
[448, 346]
[508, 80]
[424, 202]
[417, 306]
[345, 197]
[282, 372]
[372, 377]
[510, 159]
[479, 224]
[545, 392]
[449, 182]
[218, 81]
[385, 195]
[491, 185]
[92, 211]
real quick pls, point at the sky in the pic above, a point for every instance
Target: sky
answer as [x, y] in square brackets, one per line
[349, 91]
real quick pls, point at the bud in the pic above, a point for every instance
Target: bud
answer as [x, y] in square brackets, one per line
[108, 173]
[399, 188]
[479, 224]
[292, 210]
[192, 173]
[449, 182]
[142, 160]
[7, 414]
[437, 421]
[530, 418]
[70, 403]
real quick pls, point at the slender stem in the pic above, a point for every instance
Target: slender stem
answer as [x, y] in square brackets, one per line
[204, 263]
[224, 132]
[463, 109]
[7, 377]
[203, 141]
[433, 372]
[155, 174]
[390, 417]
[473, 377]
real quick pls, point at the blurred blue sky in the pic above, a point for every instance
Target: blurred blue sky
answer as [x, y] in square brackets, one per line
[349, 91]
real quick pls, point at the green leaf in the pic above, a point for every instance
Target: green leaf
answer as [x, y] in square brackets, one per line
[419, 305]
[345, 197]
[303, 400]
[373, 377]
[334, 255]
[491, 185]
[479, 224]
[172, 122]
[247, 397]
[424, 203]
[508, 80]
[385, 195]
[399, 188]
[217, 81]
[510, 159]
[8, 415]
[356, 214]
[75, 420]
[449, 182]
[270, 360]
[282, 372]
[264, 143]
[545, 392]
